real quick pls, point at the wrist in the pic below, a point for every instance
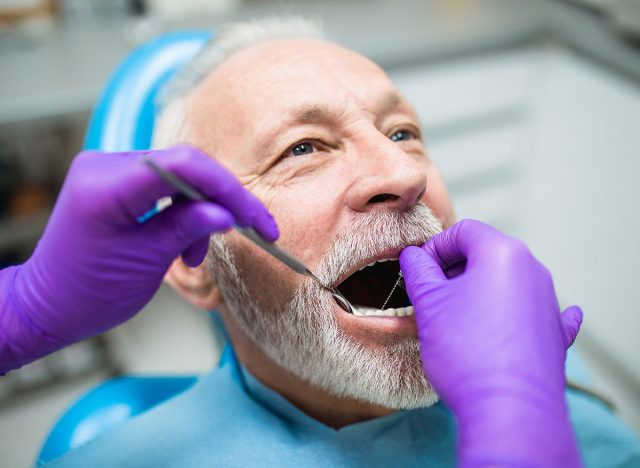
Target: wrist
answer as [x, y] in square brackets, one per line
[507, 430]
[22, 339]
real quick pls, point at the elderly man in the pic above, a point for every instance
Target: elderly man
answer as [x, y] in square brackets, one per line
[322, 137]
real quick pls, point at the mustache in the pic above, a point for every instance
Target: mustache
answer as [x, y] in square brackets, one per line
[374, 232]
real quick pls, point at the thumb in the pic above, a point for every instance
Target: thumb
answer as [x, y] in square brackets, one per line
[420, 271]
[571, 321]
[196, 252]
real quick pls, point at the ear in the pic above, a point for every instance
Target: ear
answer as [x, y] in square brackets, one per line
[194, 284]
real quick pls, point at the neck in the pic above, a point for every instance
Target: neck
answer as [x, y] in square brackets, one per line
[331, 410]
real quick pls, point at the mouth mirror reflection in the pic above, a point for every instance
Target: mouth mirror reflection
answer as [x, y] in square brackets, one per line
[342, 301]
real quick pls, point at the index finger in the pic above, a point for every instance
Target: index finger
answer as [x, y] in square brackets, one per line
[217, 183]
[462, 241]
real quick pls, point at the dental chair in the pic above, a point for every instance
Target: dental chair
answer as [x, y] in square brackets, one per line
[123, 120]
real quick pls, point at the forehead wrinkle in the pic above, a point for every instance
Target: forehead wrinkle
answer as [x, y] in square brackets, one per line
[315, 113]
[310, 114]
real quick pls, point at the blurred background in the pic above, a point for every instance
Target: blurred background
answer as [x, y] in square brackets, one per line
[531, 109]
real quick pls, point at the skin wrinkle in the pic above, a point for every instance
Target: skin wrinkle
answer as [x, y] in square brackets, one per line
[314, 199]
[316, 162]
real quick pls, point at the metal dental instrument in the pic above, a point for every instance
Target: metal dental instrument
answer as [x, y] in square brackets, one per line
[192, 194]
[293, 263]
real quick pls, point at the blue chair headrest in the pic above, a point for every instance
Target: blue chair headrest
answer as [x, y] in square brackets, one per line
[124, 116]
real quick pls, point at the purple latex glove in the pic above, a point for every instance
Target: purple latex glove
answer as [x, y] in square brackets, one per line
[95, 265]
[493, 343]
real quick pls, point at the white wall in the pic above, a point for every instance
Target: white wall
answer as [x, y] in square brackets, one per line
[583, 200]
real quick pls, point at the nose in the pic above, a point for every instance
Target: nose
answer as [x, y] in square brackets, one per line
[386, 176]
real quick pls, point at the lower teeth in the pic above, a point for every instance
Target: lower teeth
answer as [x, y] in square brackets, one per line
[369, 311]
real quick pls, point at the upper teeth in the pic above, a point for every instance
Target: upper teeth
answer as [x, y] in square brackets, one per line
[370, 311]
[377, 261]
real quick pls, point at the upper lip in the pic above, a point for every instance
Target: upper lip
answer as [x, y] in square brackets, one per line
[389, 254]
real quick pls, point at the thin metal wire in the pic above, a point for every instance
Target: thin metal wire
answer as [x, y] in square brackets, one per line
[395, 285]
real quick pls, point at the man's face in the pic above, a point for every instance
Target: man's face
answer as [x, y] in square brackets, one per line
[324, 139]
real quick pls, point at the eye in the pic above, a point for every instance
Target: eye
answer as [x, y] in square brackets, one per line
[402, 135]
[302, 148]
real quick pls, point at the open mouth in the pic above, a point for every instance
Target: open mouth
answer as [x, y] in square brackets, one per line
[371, 290]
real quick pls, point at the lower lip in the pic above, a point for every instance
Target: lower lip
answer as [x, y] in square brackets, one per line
[383, 326]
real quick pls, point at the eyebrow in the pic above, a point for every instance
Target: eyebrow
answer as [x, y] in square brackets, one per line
[323, 113]
[319, 113]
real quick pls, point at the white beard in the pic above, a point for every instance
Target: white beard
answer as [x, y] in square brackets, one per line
[304, 336]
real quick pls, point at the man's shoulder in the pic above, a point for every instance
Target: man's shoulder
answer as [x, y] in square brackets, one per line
[216, 421]
[208, 414]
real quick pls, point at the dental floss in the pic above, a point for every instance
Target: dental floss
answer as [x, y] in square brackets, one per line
[395, 285]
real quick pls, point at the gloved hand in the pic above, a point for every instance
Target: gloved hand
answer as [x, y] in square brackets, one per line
[95, 265]
[493, 343]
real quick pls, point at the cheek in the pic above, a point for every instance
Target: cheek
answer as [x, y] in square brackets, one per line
[269, 282]
[307, 222]
[437, 197]
[307, 212]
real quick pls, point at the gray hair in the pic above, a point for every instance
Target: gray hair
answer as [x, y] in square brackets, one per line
[171, 122]
[304, 335]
